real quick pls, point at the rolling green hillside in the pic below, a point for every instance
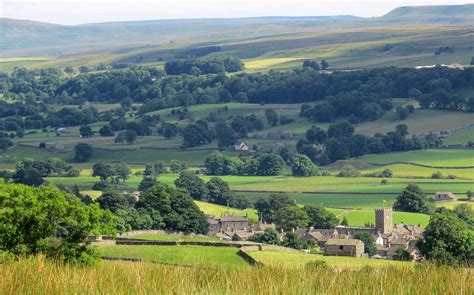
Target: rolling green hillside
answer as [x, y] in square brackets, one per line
[407, 36]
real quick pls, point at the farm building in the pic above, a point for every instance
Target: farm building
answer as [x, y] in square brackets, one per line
[442, 196]
[52, 145]
[64, 130]
[242, 146]
[344, 247]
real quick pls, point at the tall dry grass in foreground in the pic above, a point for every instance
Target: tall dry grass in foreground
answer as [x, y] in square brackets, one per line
[37, 276]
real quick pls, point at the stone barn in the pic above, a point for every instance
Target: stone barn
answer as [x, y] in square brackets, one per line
[344, 247]
[441, 196]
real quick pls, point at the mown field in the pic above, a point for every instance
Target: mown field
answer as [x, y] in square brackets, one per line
[299, 260]
[184, 255]
[118, 277]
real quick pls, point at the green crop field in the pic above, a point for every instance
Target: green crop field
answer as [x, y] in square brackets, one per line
[358, 184]
[407, 170]
[361, 217]
[338, 200]
[298, 260]
[185, 255]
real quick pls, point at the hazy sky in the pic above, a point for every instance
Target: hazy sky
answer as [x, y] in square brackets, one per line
[86, 11]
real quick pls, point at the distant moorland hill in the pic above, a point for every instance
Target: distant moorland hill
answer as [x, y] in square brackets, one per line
[406, 36]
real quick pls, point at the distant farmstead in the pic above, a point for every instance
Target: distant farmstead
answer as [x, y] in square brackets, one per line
[51, 145]
[242, 146]
[442, 196]
[64, 130]
[230, 225]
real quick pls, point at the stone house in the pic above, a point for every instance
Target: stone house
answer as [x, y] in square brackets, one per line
[442, 196]
[344, 247]
[233, 222]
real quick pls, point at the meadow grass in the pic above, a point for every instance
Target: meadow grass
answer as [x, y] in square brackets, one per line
[182, 254]
[115, 277]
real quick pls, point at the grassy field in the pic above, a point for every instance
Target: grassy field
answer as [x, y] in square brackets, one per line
[361, 217]
[444, 158]
[217, 210]
[461, 137]
[357, 185]
[146, 278]
[266, 63]
[298, 260]
[184, 255]
[407, 170]
[422, 120]
[8, 64]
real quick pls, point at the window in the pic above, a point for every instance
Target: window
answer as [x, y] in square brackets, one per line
[341, 247]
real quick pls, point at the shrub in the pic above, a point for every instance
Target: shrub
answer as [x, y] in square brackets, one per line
[100, 186]
[437, 175]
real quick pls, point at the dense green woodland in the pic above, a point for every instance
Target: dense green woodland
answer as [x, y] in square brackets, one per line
[363, 94]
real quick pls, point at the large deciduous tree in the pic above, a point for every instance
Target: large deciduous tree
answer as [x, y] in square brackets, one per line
[413, 199]
[175, 207]
[320, 217]
[46, 221]
[448, 240]
[82, 152]
[193, 184]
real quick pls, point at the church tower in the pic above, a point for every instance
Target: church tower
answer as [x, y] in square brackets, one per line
[383, 220]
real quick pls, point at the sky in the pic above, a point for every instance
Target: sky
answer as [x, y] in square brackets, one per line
[72, 12]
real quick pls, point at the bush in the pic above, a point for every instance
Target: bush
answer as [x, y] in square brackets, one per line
[348, 171]
[100, 186]
[437, 175]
